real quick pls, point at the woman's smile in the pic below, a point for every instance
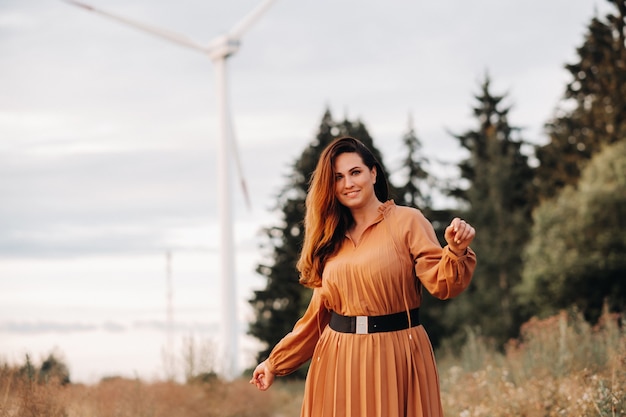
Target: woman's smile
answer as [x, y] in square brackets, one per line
[354, 181]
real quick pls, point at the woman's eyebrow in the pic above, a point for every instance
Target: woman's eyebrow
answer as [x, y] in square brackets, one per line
[352, 169]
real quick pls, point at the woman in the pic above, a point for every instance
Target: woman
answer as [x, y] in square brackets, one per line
[367, 261]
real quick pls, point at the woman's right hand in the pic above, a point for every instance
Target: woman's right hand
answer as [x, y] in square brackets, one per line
[459, 235]
[262, 377]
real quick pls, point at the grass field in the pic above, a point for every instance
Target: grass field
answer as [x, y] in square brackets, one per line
[560, 366]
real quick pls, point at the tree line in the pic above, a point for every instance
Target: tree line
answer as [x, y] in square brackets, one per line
[550, 218]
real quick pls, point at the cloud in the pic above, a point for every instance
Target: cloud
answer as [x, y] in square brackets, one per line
[15, 21]
[101, 202]
[178, 327]
[46, 327]
[113, 327]
[39, 327]
[115, 202]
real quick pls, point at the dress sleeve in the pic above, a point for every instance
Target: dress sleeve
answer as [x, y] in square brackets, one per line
[441, 272]
[298, 345]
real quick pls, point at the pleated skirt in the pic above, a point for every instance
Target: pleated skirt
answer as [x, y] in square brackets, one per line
[391, 374]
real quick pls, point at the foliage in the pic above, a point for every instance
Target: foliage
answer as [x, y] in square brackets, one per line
[593, 110]
[35, 390]
[577, 252]
[199, 360]
[499, 195]
[52, 369]
[283, 301]
[413, 191]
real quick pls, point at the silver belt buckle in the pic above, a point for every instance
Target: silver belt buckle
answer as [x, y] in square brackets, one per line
[361, 325]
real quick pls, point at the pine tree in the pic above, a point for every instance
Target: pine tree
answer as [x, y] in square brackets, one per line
[499, 197]
[414, 190]
[283, 301]
[593, 110]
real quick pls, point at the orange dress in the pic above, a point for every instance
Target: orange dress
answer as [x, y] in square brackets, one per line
[390, 374]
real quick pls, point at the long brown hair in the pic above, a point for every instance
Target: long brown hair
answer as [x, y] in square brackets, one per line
[326, 220]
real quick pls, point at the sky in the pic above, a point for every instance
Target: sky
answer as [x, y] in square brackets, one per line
[108, 143]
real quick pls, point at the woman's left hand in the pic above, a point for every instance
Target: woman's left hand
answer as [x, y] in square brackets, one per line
[459, 235]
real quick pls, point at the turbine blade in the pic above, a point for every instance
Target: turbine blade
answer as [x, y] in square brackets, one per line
[162, 33]
[235, 150]
[245, 23]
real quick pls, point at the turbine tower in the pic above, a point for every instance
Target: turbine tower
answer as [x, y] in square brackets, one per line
[169, 332]
[219, 50]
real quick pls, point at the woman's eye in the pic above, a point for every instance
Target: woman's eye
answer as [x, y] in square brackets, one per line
[356, 172]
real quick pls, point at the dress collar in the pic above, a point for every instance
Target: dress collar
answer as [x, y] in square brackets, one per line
[383, 210]
[386, 206]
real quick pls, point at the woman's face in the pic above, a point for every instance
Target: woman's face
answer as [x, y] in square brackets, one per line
[354, 181]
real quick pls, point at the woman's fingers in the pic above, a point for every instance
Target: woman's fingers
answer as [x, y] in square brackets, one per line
[262, 378]
[463, 231]
[459, 234]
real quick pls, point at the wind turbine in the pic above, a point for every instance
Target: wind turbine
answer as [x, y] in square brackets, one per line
[219, 50]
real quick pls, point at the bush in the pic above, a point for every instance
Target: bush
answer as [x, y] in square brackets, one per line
[560, 366]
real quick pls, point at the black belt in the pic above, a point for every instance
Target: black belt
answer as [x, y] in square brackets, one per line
[374, 324]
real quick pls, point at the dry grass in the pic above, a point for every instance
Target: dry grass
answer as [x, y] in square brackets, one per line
[134, 398]
[559, 367]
